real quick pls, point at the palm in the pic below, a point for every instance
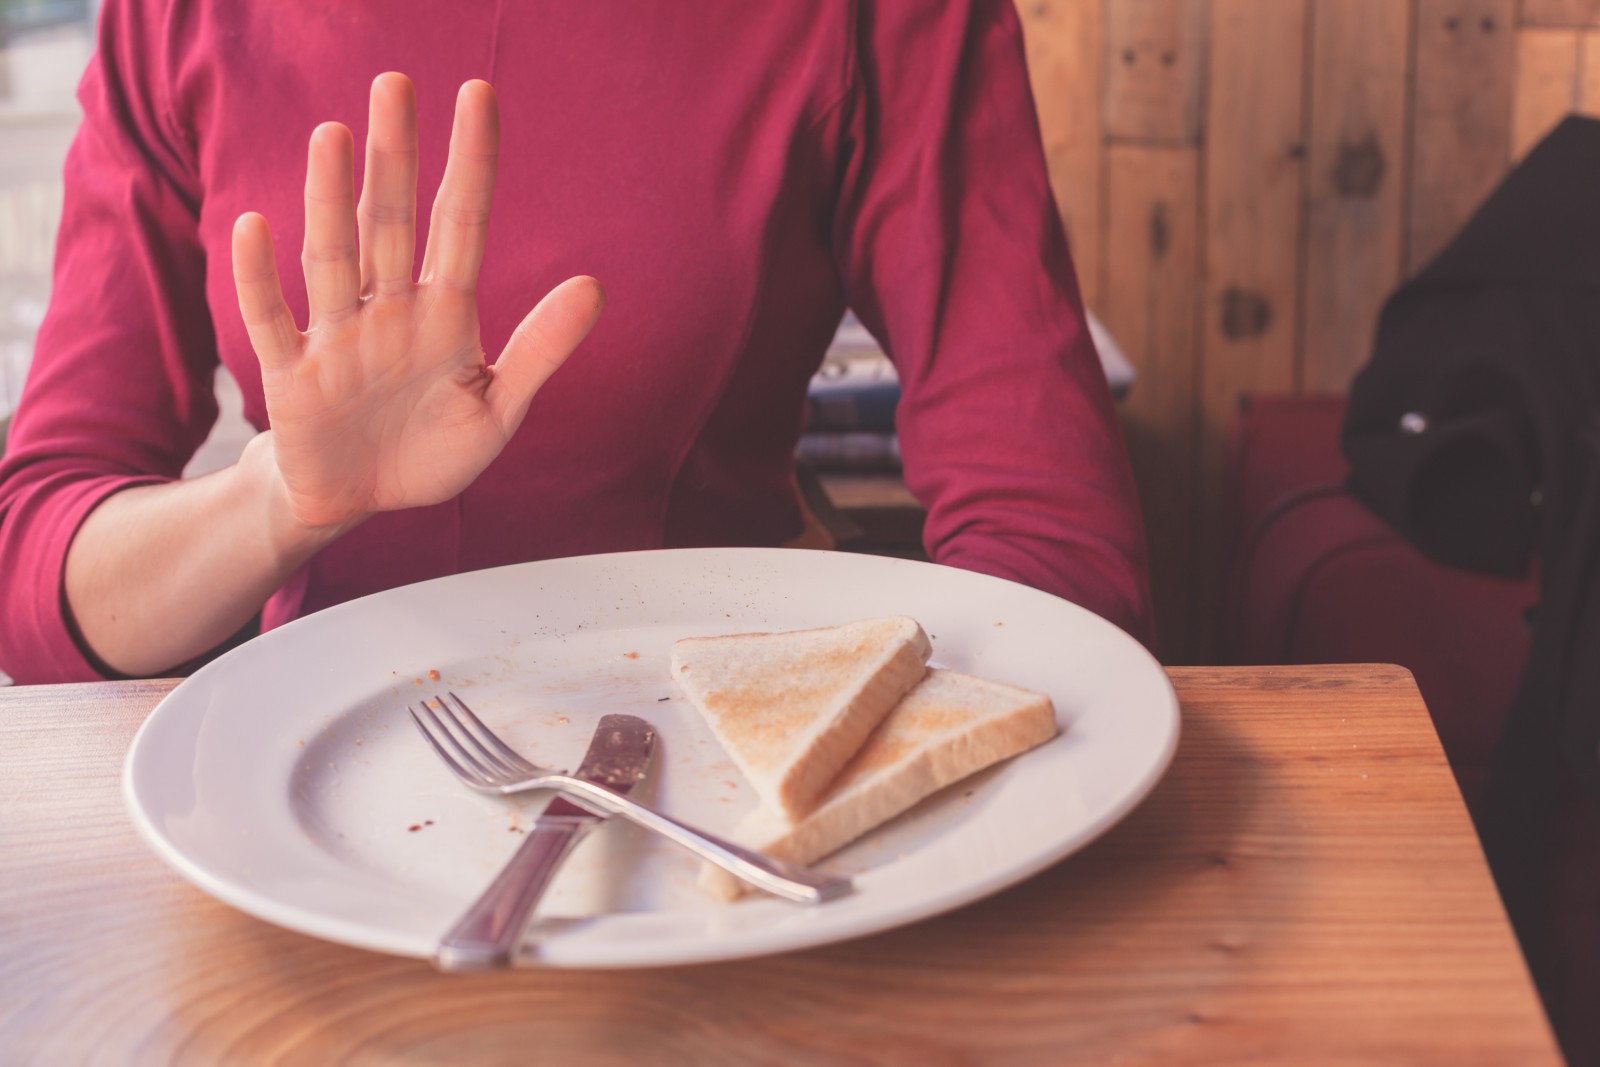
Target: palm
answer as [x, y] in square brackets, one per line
[386, 400]
[371, 419]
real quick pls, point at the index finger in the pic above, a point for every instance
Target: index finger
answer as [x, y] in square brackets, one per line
[459, 225]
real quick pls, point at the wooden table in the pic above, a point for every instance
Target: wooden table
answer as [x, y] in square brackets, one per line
[1302, 888]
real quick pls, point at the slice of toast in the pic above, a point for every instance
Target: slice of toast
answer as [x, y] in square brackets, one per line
[951, 725]
[791, 708]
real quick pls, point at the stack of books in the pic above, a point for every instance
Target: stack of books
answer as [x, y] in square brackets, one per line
[852, 397]
[850, 406]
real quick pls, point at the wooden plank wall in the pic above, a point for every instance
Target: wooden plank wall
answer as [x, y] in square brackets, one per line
[1245, 181]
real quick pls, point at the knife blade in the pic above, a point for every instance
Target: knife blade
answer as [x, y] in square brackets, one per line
[488, 933]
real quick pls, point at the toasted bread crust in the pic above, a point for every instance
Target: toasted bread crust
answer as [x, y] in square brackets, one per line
[950, 726]
[834, 746]
[792, 708]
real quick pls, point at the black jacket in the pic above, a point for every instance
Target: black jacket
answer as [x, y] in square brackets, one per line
[1475, 431]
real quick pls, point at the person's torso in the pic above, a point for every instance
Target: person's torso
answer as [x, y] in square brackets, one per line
[680, 153]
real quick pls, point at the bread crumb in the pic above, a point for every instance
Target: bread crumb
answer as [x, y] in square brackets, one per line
[433, 675]
[630, 655]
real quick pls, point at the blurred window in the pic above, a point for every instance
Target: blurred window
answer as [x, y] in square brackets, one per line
[44, 46]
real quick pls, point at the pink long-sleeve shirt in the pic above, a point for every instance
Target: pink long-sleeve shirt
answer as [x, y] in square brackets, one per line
[733, 173]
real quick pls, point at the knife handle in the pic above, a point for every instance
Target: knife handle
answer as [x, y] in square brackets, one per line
[487, 936]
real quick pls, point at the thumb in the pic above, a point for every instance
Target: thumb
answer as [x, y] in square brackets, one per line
[540, 344]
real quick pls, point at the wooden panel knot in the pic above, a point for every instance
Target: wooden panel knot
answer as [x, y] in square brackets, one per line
[1359, 170]
[1245, 314]
[1160, 230]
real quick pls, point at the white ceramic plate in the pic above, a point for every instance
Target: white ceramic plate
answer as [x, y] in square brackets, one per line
[286, 779]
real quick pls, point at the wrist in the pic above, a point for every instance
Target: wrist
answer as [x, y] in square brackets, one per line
[292, 539]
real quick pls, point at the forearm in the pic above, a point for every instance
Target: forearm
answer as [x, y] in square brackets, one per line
[160, 574]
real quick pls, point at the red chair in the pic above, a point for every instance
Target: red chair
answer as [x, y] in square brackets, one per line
[1317, 578]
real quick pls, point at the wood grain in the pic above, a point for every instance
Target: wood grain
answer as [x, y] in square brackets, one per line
[1461, 116]
[1561, 12]
[1064, 52]
[1302, 887]
[1155, 59]
[1355, 182]
[1589, 73]
[1253, 182]
[1547, 83]
[1153, 309]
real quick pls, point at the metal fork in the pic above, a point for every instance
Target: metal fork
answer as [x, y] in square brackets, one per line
[487, 764]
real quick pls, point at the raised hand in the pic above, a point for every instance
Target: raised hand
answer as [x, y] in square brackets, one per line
[386, 400]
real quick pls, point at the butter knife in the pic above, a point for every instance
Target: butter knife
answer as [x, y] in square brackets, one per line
[487, 935]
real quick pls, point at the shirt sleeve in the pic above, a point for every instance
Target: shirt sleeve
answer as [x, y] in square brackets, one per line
[119, 392]
[952, 253]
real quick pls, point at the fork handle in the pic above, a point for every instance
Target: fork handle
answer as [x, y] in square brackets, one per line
[486, 937]
[786, 880]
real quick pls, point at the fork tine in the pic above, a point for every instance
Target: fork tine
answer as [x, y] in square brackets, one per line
[471, 745]
[433, 741]
[443, 734]
[507, 754]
